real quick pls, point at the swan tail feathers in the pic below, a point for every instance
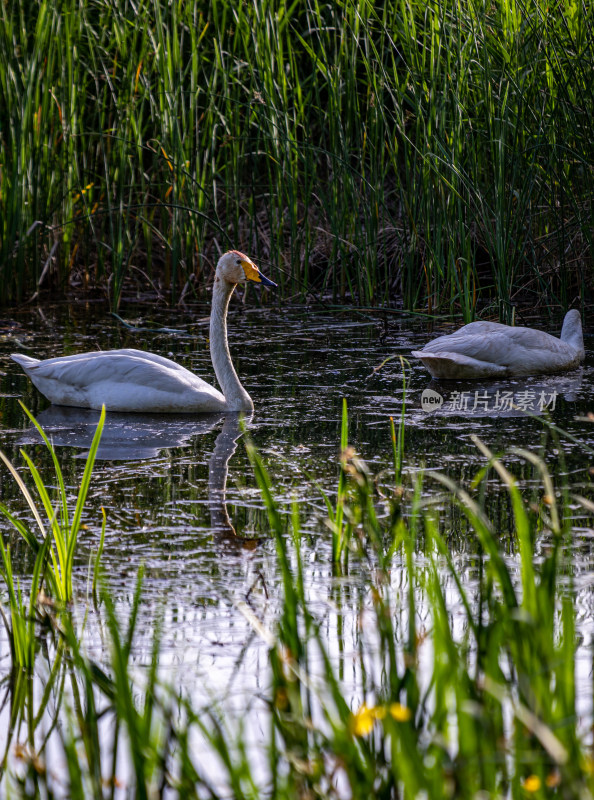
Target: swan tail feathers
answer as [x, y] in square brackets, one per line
[26, 362]
[455, 365]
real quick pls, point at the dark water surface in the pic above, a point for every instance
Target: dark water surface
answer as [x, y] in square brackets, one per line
[161, 479]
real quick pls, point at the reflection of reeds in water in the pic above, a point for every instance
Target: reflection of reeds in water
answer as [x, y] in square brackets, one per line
[457, 683]
[479, 698]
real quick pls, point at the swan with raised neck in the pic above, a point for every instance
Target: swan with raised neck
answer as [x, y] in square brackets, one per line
[136, 381]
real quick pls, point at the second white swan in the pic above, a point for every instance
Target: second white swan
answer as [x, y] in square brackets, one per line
[132, 380]
[491, 350]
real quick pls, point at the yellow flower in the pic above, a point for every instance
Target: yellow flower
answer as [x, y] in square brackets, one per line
[400, 713]
[532, 783]
[361, 723]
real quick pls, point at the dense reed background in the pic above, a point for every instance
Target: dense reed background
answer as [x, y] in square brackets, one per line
[435, 154]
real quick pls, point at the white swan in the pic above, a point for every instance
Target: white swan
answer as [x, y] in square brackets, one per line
[491, 350]
[132, 380]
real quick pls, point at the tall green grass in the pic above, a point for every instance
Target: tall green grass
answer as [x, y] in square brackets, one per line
[434, 153]
[53, 548]
[482, 704]
[59, 535]
[459, 682]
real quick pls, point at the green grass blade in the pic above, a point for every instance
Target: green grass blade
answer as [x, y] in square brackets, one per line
[60, 478]
[24, 492]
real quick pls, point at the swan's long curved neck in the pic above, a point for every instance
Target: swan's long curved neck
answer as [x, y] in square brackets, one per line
[572, 332]
[235, 395]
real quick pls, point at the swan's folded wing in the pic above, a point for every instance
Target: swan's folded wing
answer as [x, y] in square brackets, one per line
[145, 356]
[480, 328]
[498, 346]
[536, 340]
[491, 349]
[116, 366]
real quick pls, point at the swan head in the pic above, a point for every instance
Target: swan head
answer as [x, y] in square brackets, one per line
[235, 267]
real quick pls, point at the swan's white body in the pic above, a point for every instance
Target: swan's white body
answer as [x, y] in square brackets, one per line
[491, 350]
[132, 380]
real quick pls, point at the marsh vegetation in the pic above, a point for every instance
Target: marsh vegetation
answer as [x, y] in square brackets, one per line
[418, 677]
[313, 608]
[435, 155]
[340, 598]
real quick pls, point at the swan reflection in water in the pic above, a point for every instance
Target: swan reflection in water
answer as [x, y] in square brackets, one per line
[126, 437]
[510, 398]
[137, 437]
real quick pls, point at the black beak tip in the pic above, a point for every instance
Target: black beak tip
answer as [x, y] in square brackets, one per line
[267, 282]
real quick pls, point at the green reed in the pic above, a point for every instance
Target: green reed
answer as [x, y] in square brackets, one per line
[21, 627]
[434, 152]
[59, 534]
[460, 680]
[497, 713]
